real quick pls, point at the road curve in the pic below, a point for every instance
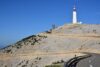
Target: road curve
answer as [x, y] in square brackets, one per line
[73, 62]
[93, 61]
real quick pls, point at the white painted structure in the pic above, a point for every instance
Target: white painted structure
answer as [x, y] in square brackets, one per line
[74, 16]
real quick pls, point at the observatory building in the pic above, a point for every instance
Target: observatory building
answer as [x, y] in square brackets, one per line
[74, 16]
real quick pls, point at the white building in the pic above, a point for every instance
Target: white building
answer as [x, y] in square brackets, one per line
[74, 20]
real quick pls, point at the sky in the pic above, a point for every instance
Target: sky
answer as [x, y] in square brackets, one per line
[22, 18]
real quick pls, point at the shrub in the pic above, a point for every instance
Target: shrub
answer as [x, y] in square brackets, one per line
[8, 51]
[33, 43]
[53, 66]
[58, 62]
[94, 31]
[49, 32]
[62, 61]
[26, 62]
[24, 65]
[28, 37]
[18, 46]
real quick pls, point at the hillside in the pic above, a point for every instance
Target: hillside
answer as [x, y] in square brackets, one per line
[61, 43]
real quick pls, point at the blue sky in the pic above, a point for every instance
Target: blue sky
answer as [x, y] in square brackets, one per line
[21, 18]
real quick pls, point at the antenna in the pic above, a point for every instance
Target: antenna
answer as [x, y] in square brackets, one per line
[74, 3]
[74, 13]
[74, 8]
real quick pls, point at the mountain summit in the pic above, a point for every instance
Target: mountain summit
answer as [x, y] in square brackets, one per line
[61, 43]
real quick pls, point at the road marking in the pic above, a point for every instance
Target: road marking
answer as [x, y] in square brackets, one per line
[91, 65]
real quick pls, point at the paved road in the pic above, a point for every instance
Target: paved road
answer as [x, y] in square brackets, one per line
[93, 61]
[73, 62]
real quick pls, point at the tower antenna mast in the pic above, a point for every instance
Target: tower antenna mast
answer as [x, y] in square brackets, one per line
[74, 13]
[75, 3]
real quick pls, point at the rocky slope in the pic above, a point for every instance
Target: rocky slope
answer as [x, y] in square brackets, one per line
[58, 44]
